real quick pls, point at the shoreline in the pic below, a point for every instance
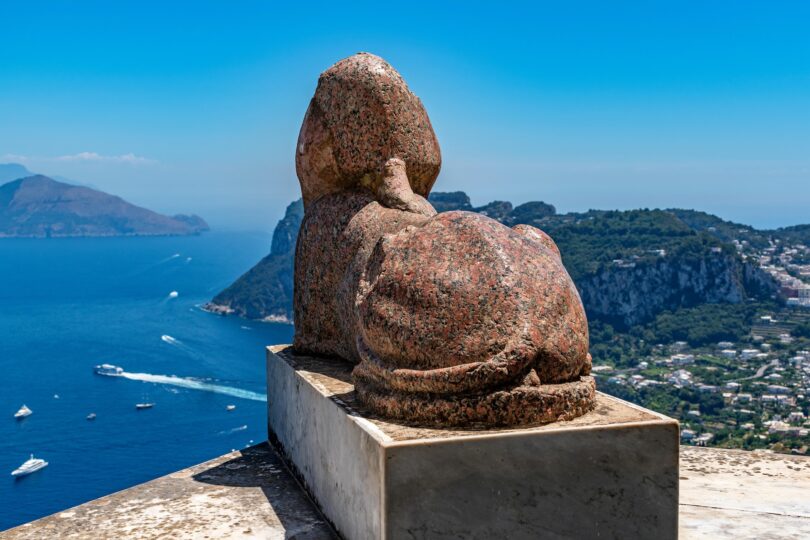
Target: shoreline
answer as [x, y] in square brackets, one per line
[224, 311]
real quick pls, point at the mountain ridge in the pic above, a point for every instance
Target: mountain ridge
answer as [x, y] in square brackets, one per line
[629, 266]
[40, 207]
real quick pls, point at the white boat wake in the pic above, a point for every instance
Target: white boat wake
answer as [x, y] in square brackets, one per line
[233, 430]
[170, 340]
[167, 259]
[194, 384]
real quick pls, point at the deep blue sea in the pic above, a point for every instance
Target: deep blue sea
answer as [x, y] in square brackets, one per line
[69, 304]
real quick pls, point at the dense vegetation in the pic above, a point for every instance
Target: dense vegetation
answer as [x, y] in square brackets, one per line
[798, 234]
[699, 326]
[725, 231]
[802, 330]
[592, 240]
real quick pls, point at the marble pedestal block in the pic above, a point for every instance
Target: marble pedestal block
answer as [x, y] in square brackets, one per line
[612, 473]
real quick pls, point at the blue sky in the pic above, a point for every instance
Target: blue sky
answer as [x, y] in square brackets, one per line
[196, 106]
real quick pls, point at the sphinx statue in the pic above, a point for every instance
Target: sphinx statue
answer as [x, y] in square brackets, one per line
[452, 319]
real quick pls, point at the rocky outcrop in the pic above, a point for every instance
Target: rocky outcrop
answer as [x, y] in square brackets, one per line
[265, 291]
[286, 232]
[629, 294]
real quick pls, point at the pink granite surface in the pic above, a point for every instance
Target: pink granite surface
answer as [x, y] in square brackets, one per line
[452, 319]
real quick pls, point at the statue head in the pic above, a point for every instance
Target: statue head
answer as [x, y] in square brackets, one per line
[362, 116]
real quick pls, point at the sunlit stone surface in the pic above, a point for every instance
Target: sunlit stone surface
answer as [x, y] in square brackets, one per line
[724, 494]
[453, 319]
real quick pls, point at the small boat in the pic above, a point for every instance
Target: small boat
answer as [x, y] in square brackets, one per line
[91, 416]
[141, 406]
[32, 465]
[23, 412]
[174, 294]
[230, 407]
[108, 369]
[56, 396]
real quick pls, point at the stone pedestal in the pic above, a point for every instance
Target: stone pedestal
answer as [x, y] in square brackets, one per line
[612, 473]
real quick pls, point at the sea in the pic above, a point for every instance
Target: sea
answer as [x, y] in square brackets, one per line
[67, 305]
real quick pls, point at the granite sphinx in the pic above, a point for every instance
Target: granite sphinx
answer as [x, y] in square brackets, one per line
[452, 319]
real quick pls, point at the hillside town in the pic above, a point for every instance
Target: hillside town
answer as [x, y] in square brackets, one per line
[752, 394]
[746, 395]
[790, 267]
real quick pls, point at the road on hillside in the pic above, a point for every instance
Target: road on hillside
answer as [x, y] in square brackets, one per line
[761, 371]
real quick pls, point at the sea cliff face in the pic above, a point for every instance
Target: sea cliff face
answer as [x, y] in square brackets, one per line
[265, 291]
[629, 295]
[628, 266]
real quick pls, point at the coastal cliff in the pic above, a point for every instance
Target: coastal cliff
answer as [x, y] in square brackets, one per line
[625, 294]
[265, 291]
[628, 266]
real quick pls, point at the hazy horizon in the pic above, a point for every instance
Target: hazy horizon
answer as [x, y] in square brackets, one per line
[587, 105]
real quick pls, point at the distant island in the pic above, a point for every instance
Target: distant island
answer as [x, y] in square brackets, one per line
[36, 206]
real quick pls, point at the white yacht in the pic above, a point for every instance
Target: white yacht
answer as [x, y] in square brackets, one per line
[91, 416]
[30, 466]
[109, 370]
[141, 406]
[23, 412]
[230, 407]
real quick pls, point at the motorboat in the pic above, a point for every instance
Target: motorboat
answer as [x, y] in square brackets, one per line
[109, 370]
[141, 406]
[230, 407]
[23, 412]
[32, 465]
[91, 416]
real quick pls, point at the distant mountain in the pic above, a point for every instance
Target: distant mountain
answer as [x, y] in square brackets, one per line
[13, 171]
[38, 206]
[628, 266]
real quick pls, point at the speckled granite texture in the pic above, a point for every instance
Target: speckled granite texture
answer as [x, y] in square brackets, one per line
[362, 115]
[452, 319]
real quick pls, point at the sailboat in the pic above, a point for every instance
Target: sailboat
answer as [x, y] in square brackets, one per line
[23, 412]
[31, 465]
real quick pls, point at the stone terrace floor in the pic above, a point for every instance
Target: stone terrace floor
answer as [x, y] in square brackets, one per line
[250, 494]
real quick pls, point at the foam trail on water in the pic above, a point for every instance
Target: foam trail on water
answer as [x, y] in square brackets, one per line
[167, 259]
[234, 430]
[174, 342]
[194, 384]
